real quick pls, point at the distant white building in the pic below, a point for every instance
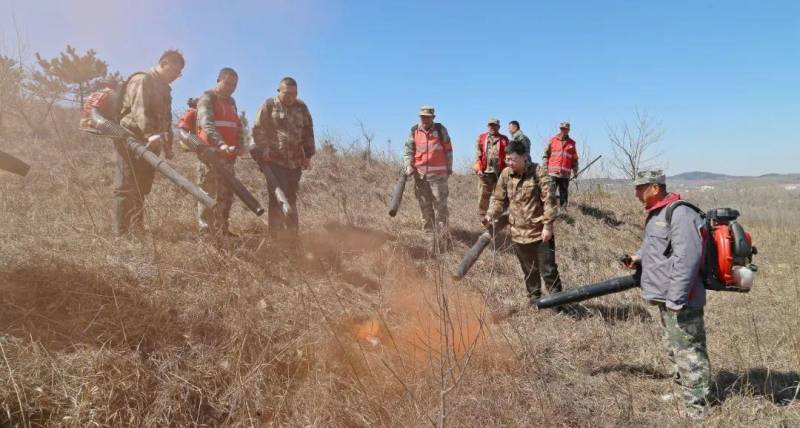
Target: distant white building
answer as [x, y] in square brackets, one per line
[706, 188]
[792, 187]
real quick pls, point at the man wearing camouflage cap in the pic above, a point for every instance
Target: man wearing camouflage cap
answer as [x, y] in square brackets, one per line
[490, 160]
[561, 159]
[428, 157]
[670, 258]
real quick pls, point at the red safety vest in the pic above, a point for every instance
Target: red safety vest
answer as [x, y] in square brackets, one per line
[226, 121]
[483, 160]
[430, 156]
[562, 156]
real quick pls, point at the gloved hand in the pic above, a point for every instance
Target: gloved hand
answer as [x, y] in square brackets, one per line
[227, 149]
[154, 142]
[409, 170]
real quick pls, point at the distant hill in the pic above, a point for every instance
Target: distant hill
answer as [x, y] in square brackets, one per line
[703, 176]
[712, 176]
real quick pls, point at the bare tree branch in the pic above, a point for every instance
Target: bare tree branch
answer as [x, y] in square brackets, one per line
[633, 144]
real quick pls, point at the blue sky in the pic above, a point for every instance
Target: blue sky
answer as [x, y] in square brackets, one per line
[721, 77]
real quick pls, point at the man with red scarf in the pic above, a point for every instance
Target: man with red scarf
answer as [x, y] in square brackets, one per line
[671, 257]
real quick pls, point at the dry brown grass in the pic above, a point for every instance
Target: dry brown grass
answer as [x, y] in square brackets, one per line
[170, 330]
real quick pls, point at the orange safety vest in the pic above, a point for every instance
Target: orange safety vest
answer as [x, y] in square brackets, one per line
[226, 121]
[188, 121]
[483, 160]
[430, 156]
[562, 156]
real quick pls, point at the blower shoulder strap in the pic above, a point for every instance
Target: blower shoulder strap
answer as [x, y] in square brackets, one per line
[671, 207]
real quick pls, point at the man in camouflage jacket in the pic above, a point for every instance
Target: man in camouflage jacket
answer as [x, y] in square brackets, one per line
[283, 133]
[526, 191]
[147, 113]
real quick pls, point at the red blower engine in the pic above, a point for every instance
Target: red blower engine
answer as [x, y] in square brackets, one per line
[729, 252]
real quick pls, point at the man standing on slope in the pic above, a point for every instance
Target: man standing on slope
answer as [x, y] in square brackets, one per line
[671, 256]
[526, 191]
[147, 113]
[561, 159]
[283, 133]
[218, 125]
[428, 157]
[517, 135]
[490, 159]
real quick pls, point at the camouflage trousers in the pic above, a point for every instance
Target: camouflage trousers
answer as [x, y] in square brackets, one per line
[684, 336]
[431, 192]
[133, 179]
[486, 185]
[215, 220]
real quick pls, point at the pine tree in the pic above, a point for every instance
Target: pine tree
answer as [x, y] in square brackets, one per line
[83, 74]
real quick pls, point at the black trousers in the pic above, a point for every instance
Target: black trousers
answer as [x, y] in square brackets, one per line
[562, 184]
[289, 180]
[539, 259]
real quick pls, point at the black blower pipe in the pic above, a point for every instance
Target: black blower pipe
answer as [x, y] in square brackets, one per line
[13, 165]
[397, 194]
[209, 156]
[114, 130]
[477, 248]
[609, 286]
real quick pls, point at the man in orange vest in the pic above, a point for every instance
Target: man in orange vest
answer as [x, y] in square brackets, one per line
[561, 159]
[428, 157]
[218, 126]
[490, 159]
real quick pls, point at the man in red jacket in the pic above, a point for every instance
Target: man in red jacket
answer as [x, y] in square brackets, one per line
[561, 159]
[490, 159]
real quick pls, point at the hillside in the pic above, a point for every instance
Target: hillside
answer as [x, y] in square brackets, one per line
[360, 326]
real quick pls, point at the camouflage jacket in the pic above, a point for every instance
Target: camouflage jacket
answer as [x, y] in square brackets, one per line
[530, 200]
[492, 152]
[147, 106]
[283, 134]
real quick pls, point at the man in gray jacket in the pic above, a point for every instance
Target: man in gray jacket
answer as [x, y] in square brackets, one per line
[671, 257]
[517, 135]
